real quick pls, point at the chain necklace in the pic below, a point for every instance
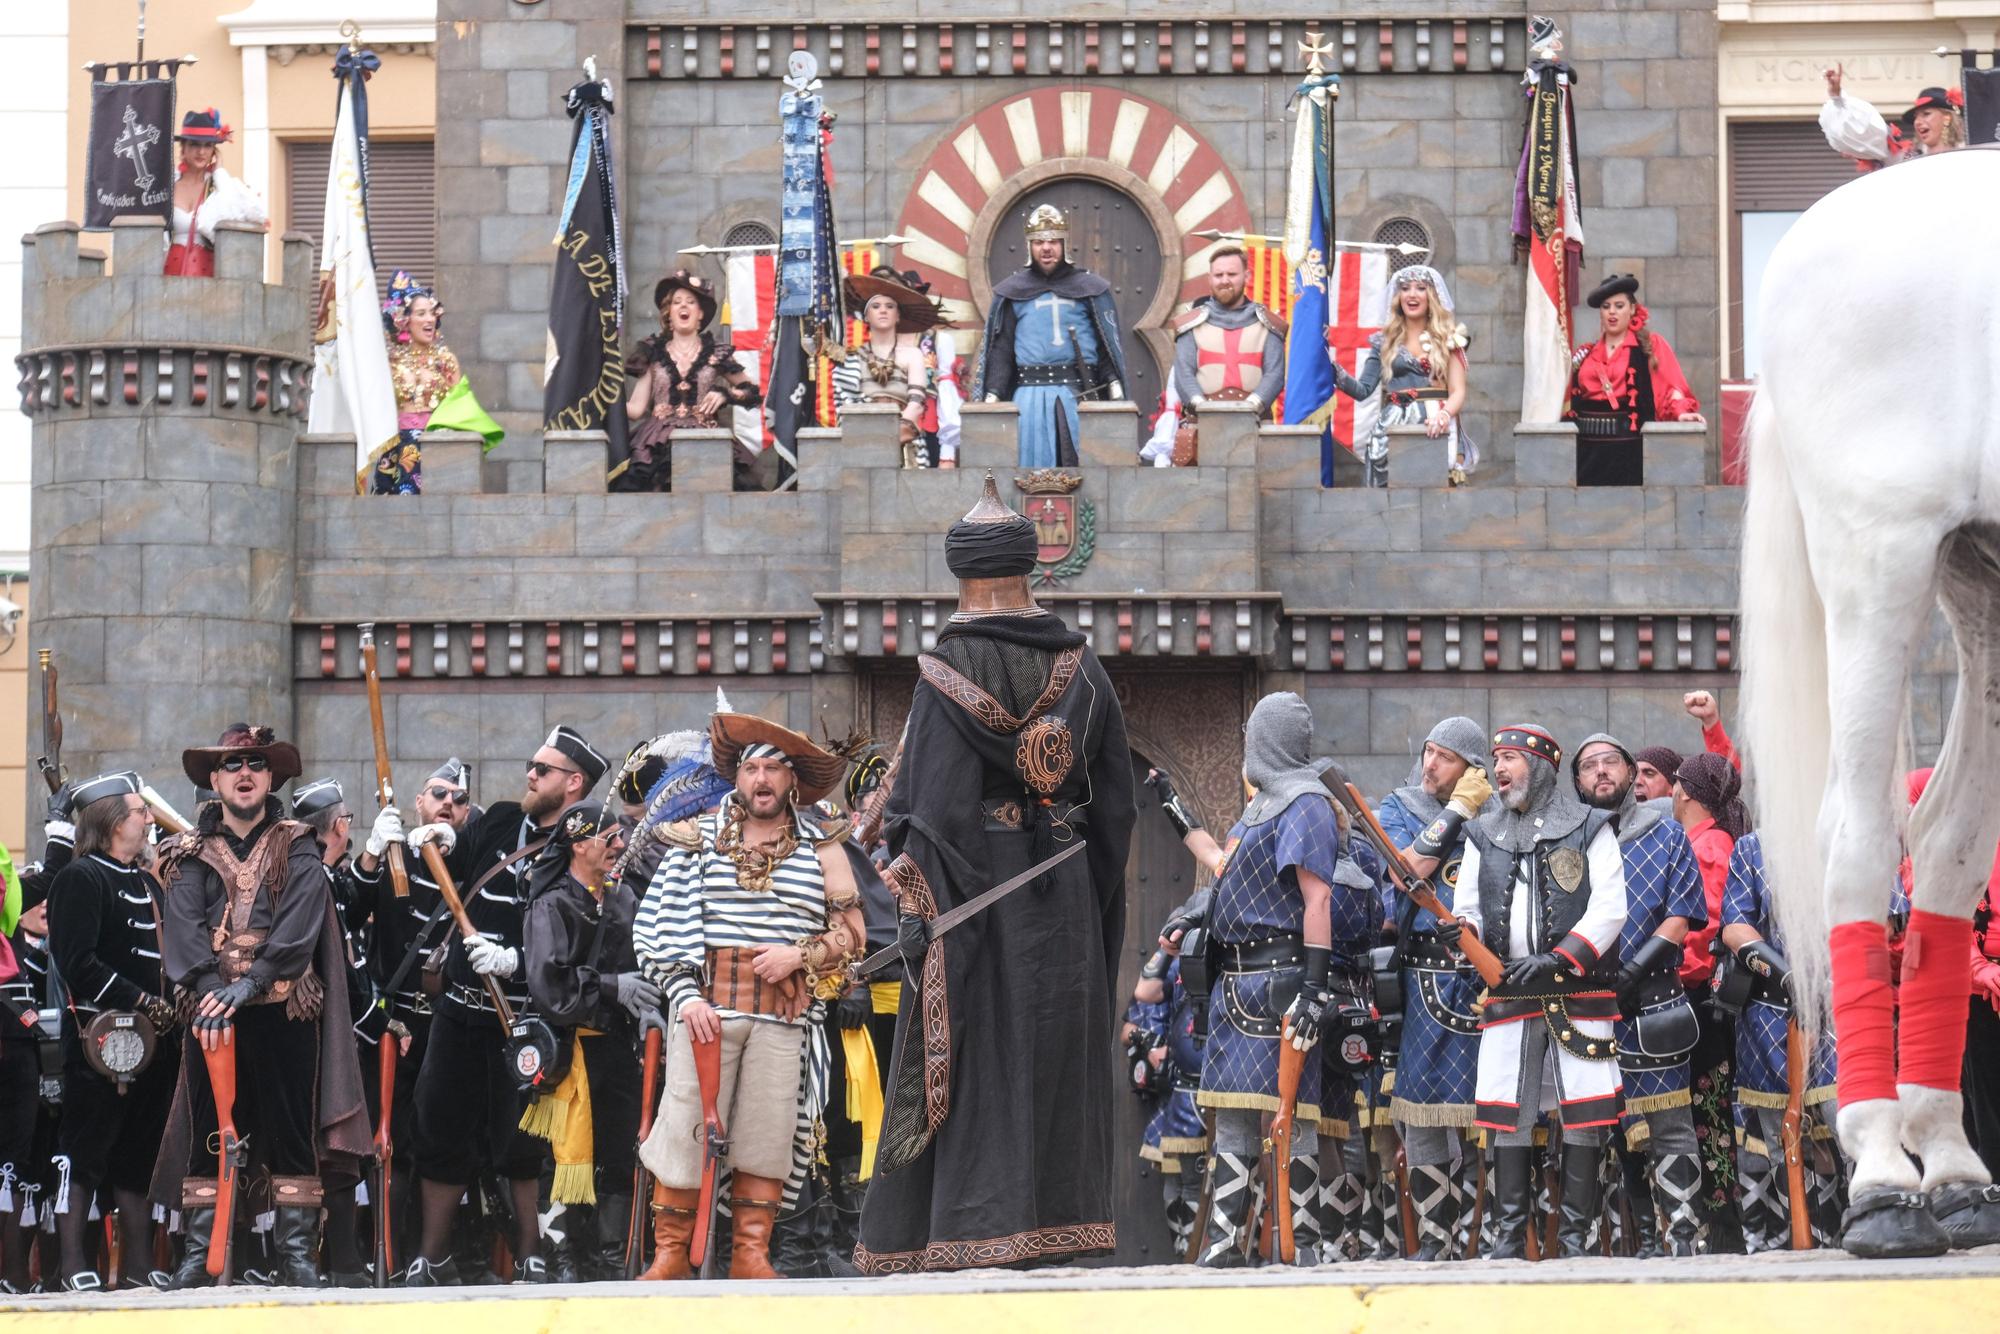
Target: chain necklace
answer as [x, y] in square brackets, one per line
[754, 864]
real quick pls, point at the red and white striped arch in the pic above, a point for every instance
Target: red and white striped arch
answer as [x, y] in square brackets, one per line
[1080, 126]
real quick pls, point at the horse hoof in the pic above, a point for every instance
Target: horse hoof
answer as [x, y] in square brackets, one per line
[1969, 1214]
[1892, 1225]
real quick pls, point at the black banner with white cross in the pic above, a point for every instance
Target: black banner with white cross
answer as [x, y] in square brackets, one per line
[129, 166]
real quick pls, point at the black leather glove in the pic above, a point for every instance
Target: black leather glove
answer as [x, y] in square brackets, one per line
[1190, 915]
[1176, 810]
[1449, 933]
[1762, 958]
[1307, 1014]
[913, 939]
[1155, 967]
[1534, 969]
[854, 1009]
[1655, 955]
[62, 804]
[230, 996]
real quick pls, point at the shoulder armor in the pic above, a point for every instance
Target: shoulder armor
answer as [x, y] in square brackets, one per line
[685, 834]
[1193, 320]
[831, 832]
[1270, 321]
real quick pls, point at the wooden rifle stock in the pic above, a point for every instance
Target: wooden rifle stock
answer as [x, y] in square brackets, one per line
[447, 890]
[1291, 1065]
[50, 763]
[1793, 1134]
[714, 1148]
[1470, 945]
[649, 1089]
[221, 1063]
[1405, 1207]
[1207, 1188]
[385, 791]
[385, 1248]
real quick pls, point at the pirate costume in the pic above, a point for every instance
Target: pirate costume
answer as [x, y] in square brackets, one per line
[900, 377]
[715, 901]
[1613, 393]
[997, 1144]
[1548, 897]
[1855, 129]
[191, 248]
[1051, 339]
[250, 921]
[675, 389]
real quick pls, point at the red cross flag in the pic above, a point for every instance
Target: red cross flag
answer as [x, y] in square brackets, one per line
[750, 276]
[1358, 308]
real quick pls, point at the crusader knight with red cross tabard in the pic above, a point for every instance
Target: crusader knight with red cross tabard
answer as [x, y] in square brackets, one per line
[1228, 346]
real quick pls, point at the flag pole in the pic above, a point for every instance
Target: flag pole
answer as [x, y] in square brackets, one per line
[771, 248]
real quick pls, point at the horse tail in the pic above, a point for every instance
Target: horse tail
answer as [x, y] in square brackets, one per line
[1785, 711]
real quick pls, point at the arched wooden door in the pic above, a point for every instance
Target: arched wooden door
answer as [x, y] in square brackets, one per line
[1109, 234]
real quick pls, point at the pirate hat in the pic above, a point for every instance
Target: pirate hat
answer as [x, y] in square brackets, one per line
[681, 280]
[916, 311]
[1943, 99]
[203, 127]
[740, 736]
[199, 763]
[1614, 284]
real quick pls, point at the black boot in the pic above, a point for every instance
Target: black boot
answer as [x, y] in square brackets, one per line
[1639, 1196]
[605, 1260]
[562, 1243]
[1435, 1204]
[1228, 1211]
[1582, 1196]
[1764, 1227]
[1342, 1195]
[193, 1270]
[1308, 1235]
[295, 1246]
[1676, 1185]
[1509, 1186]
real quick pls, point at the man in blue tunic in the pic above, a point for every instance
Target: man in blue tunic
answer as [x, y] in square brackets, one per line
[1432, 1102]
[1663, 899]
[1051, 339]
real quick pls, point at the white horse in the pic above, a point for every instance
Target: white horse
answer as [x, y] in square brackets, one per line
[1874, 498]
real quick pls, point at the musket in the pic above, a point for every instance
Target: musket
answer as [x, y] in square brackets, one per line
[1476, 951]
[50, 763]
[1404, 1207]
[449, 891]
[945, 921]
[714, 1149]
[164, 815]
[1792, 1134]
[385, 792]
[1291, 1065]
[384, 1242]
[1207, 1187]
[649, 1088]
[221, 1062]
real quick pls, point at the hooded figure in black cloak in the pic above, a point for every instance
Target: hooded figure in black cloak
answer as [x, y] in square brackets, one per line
[996, 1145]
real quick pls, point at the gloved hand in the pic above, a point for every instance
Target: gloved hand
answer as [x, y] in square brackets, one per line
[913, 939]
[635, 993]
[218, 1008]
[61, 820]
[1187, 917]
[854, 1010]
[1305, 1016]
[1449, 933]
[441, 834]
[487, 957]
[387, 829]
[651, 1021]
[1472, 791]
[1532, 970]
[1762, 958]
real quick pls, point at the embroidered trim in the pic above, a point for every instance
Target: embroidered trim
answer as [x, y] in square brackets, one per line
[913, 894]
[959, 690]
[1039, 1243]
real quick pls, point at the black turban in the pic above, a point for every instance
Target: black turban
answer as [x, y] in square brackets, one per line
[991, 550]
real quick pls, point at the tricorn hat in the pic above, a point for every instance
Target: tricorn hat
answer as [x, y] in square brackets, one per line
[916, 312]
[681, 280]
[1614, 284]
[199, 763]
[737, 736]
[204, 127]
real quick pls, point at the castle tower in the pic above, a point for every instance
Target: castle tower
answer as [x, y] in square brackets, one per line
[164, 412]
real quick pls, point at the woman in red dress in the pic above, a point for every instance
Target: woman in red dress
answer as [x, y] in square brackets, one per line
[1614, 394]
[205, 195]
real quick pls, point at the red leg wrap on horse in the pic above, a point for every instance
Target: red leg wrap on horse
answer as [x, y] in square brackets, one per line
[1864, 1012]
[1935, 999]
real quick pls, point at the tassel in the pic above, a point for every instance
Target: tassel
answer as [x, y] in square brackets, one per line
[61, 1162]
[6, 1188]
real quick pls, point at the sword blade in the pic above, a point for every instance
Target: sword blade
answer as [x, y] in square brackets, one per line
[945, 921]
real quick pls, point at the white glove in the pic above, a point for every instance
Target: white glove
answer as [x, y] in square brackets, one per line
[388, 828]
[1117, 391]
[441, 834]
[489, 959]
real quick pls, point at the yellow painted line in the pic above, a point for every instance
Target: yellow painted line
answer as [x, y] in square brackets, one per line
[1792, 1302]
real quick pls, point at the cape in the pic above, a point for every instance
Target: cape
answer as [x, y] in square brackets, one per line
[997, 1143]
[1067, 281]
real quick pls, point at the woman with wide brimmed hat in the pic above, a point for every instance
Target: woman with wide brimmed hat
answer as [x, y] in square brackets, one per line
[889, 366]
[682, 379]
[1614, 393]
[1935, 123]
[205, 196]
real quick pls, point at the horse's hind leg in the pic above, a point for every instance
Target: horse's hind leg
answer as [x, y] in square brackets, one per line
[1877, 600]
[1952, 838]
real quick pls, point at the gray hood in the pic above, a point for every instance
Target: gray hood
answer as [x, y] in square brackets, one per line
[1277, 756]
[1553, 812]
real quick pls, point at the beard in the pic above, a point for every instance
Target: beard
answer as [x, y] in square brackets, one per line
[1609, 801]
[1516, 798]
[252, 811]
[537, 805]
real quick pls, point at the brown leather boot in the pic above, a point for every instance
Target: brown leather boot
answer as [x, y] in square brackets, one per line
[673, 1224]
[753, 1210]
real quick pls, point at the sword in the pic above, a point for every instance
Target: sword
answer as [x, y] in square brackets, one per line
[945, 921]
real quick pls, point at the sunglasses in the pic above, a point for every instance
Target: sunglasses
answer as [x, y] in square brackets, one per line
[256, 764]
[448, 795]
[542, 769]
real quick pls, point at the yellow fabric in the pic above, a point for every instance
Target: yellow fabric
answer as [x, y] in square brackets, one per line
[864, 1092]
[562, 1117]
[885, 997]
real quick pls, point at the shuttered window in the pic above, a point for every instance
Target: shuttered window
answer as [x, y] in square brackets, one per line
[1781, 166]
[402, 203]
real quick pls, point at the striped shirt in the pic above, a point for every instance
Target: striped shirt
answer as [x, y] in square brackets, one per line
[696, 905]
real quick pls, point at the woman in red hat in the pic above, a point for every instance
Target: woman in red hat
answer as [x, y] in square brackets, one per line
[1933, 124]
[205, 195]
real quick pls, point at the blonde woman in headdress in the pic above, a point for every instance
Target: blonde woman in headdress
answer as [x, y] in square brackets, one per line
[1425, 381]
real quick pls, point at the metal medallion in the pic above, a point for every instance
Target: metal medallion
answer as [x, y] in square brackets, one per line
[1567, 866]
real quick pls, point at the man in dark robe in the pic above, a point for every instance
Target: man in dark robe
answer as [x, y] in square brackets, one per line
[1051, 339]
[996, 1145]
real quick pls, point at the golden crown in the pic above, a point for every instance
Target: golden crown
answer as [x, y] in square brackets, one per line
[1047, 220]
